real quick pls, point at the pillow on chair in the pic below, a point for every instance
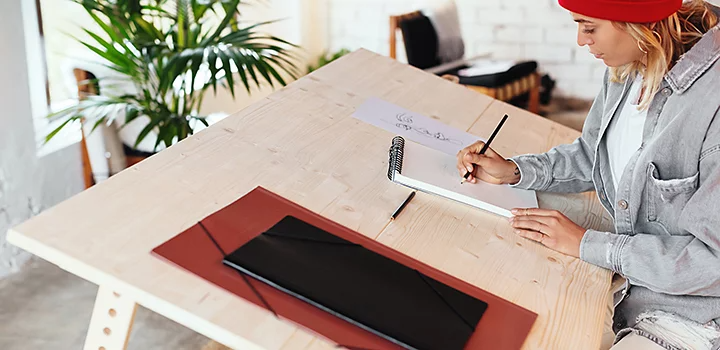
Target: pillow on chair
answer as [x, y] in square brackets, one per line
[421, 42]
[445, 20]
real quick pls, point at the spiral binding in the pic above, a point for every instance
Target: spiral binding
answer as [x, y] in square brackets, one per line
[396, 156]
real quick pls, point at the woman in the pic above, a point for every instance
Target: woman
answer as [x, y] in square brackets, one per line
[650, 148]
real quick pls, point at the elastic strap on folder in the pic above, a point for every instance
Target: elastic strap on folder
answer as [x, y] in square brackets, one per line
[217, 245]
[445, 301]
[351, 347]
[245, 278]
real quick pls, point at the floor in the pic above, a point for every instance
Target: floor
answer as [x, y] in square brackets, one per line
[567, 111]
[572, 119]
[43, 307]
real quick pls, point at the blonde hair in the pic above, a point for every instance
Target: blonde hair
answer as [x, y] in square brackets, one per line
[665, 42]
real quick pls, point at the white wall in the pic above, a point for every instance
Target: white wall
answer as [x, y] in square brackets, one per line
[512, 29]
[28, 184]
[515, 29]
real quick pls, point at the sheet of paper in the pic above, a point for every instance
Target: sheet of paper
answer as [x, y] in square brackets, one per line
[423, 166]
[414, 126]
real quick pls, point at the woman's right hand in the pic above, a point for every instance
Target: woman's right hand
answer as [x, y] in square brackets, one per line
[489, 167]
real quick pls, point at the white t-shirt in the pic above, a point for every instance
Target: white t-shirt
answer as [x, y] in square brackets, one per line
[624, 135]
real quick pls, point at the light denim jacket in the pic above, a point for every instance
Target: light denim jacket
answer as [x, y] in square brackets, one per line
[667, 207]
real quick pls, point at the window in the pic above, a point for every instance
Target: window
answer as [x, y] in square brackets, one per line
[52, 53]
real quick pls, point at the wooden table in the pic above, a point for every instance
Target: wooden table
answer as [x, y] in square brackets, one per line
[302, 143]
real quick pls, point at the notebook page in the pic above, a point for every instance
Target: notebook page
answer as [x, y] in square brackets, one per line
[423, 166]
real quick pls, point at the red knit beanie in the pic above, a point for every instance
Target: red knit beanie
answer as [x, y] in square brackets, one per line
[634, 11]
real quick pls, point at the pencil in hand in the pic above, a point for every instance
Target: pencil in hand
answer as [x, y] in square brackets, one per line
[487, 145]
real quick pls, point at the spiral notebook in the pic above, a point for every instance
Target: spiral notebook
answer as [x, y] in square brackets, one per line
[431, 171]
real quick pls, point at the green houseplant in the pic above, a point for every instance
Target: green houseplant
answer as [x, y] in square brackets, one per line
[174, 51]
[326, 58]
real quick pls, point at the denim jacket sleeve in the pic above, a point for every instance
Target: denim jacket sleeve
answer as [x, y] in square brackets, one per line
[566, 168]
[679, 265]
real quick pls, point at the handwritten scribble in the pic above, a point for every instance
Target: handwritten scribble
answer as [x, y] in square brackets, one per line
[425, 132]
[428, 131]
[404, 126]
[404, 118]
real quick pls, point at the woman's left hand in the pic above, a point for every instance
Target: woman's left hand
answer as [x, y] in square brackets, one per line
[548, 227]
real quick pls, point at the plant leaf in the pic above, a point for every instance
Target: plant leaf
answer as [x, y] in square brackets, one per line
[145, 131]
[182, 25]
[148, 29]
[198, 59]
[272, 71]
[228, 71]
[131, 113]
[57, 130]
[248, 63]
[212, 65]
[118, 64]
[120, 58]
[97, 123]
[229, 15]
[107, 29]
[202, 120]
[171, 130]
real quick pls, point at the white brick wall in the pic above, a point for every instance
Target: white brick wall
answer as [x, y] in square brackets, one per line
[511, 29]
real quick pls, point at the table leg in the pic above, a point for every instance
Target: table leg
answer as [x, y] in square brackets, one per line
[111, 321]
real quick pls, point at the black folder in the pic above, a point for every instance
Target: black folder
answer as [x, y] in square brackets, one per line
[360, 286]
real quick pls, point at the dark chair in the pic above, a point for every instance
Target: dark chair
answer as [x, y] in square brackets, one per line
[518, 85]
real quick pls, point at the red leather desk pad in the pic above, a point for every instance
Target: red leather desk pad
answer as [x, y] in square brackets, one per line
[503, 326]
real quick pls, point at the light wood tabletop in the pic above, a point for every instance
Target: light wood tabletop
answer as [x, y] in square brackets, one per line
[302, 143]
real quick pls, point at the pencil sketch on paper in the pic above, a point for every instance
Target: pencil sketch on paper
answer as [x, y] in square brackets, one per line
[405, 123]
[413, 126]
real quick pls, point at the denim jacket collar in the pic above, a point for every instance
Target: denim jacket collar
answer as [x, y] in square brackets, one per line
[695, 62]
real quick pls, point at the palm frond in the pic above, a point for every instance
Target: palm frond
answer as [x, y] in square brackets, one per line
[230, 10]
[173, 52]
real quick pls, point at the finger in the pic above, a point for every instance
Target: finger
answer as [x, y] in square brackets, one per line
[465, 167]
[461, 154]
[530, 225]
[531, 235]
[545, 220]
[535, 211]
[476, 147]
[466, 163]
[479, 159]
[469, 149]
[488, 152]
[461, 169]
